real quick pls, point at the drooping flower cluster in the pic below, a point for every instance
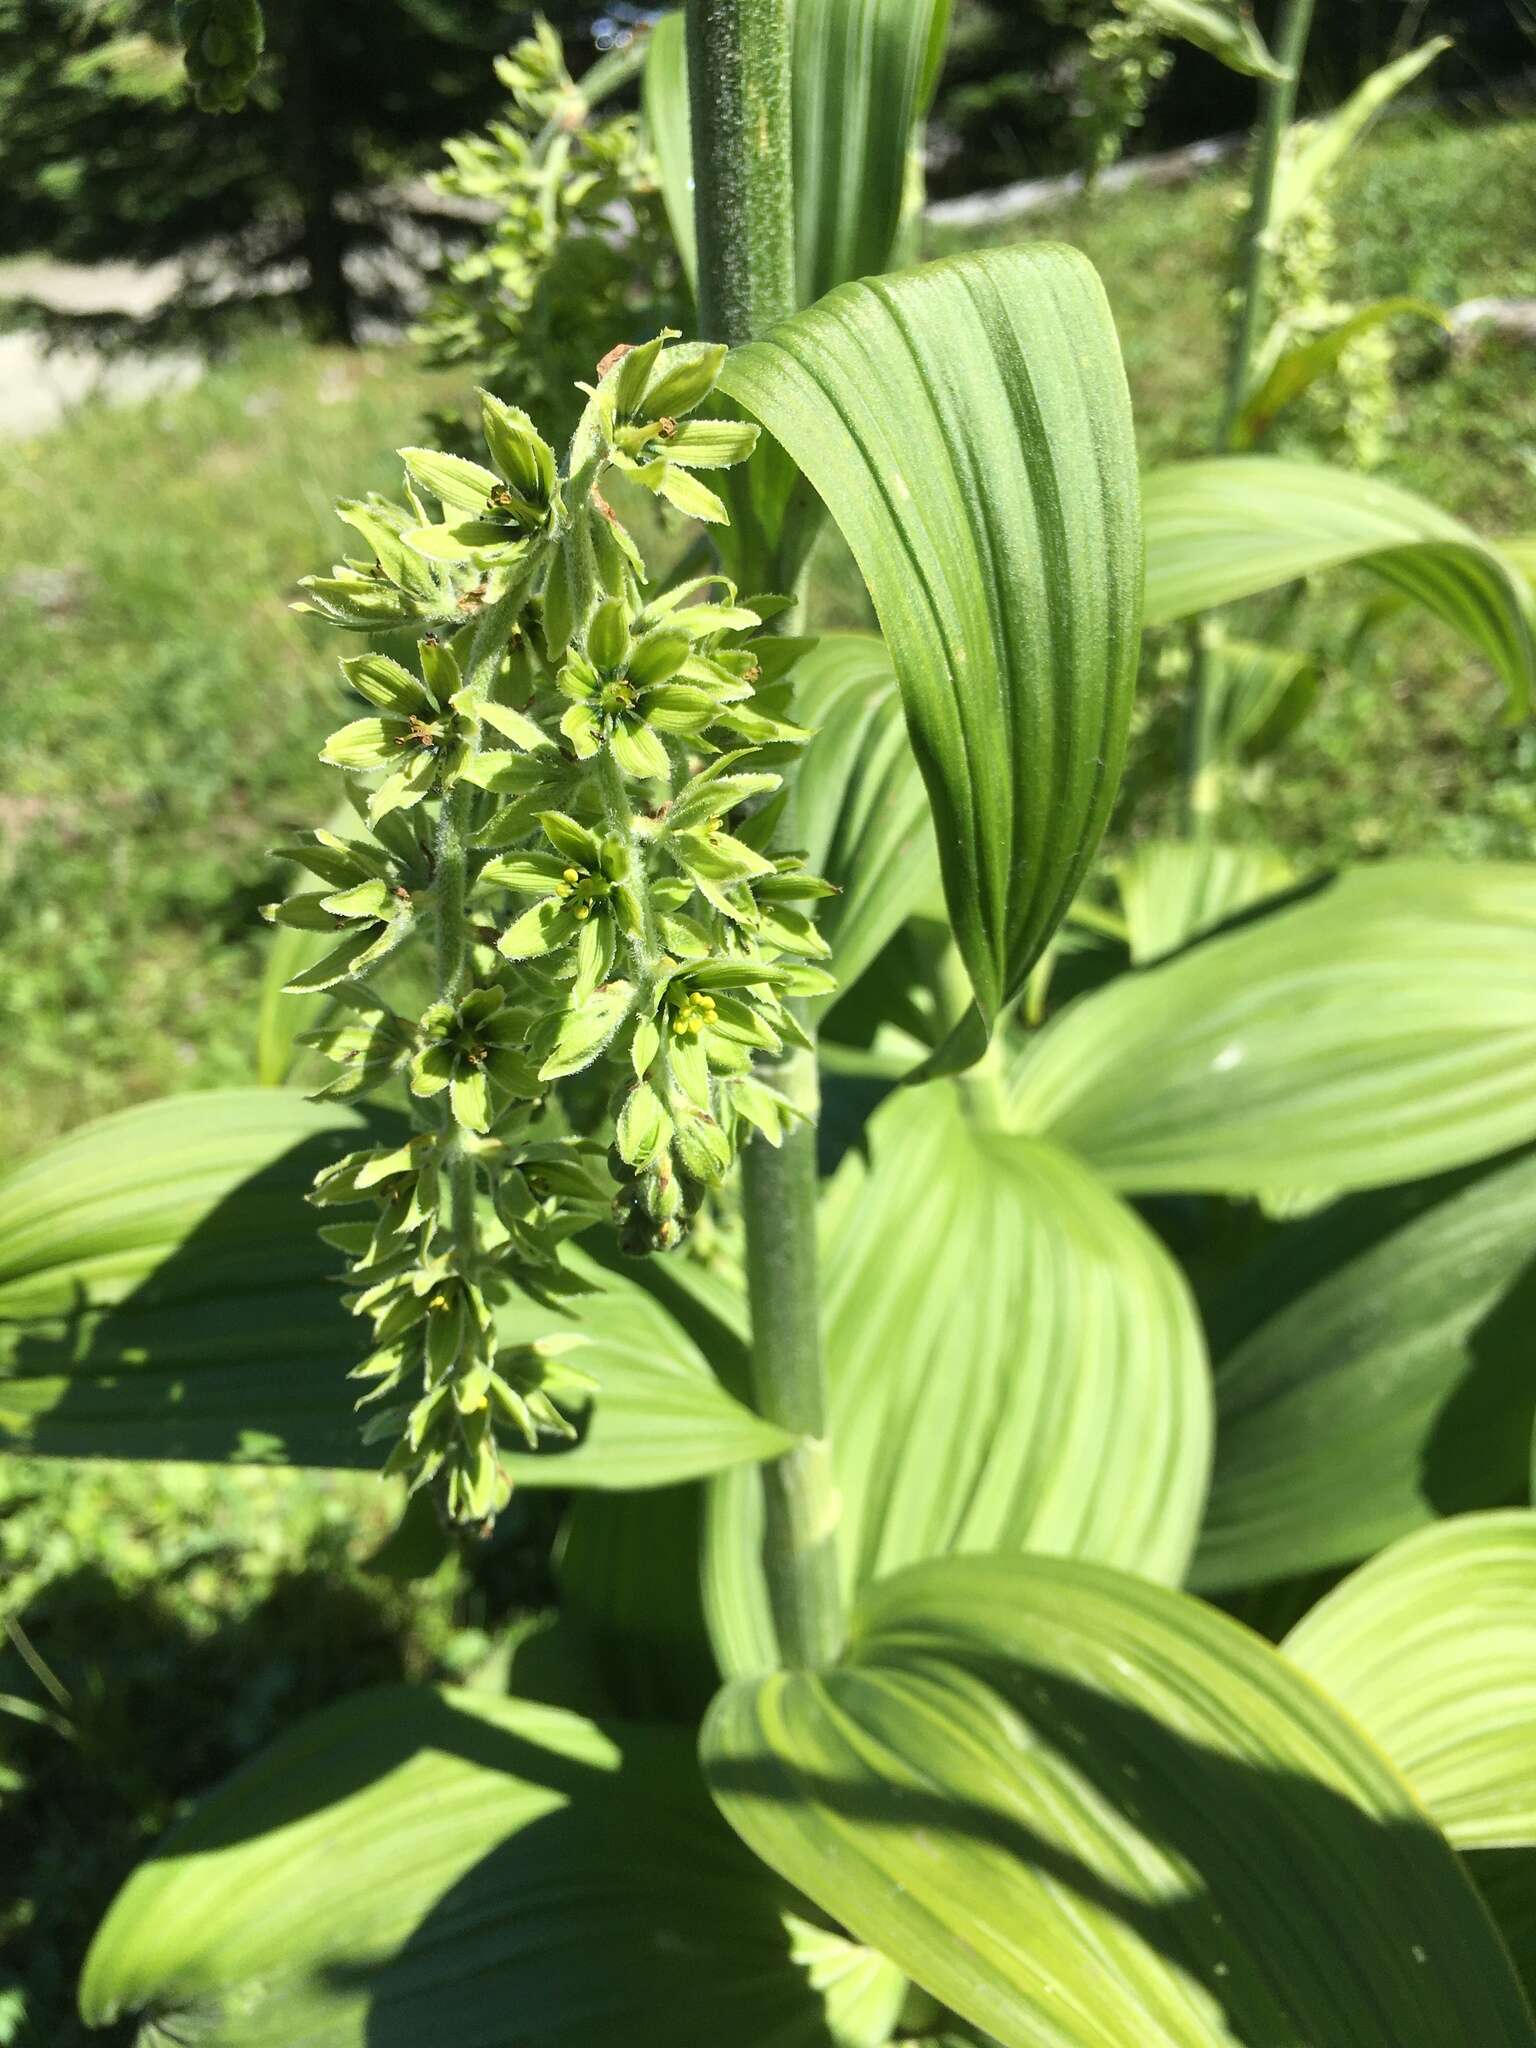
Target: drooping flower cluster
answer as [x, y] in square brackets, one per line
[566, 804]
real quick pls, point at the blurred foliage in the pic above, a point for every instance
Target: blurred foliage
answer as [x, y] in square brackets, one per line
[104, 155]
[1031, 90]
[578, 256]
[173, 709]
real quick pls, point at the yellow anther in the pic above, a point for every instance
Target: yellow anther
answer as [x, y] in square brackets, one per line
[571, 874]
[583, 910]
[562, 888]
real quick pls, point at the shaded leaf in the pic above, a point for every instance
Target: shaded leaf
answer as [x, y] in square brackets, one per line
[861, 811]
[413, 1866]
[1081, 1810]
[967, 426]
[164, 1294]
[1373, 1372]
[1173, 890]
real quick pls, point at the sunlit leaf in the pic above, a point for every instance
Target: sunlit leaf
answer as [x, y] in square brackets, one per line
[1299, 364]
[1233, 526]
[967, 426]
[1014, 1364]
[1083, 1810]
[862, 73]
[1317, 148]
[1431, 1647]
[1382, 1029]
[1222, 28]
[414, 1866]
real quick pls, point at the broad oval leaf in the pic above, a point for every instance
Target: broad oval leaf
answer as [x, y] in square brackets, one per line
[862, 73]
[1232, 526]
[412, 1866]
[1373, 1373]
[164, 1294]
[861, 812]
[1013, 1361]
[1432, 1648]
[1383, 1029]
[1083, 1810]
[967, 426]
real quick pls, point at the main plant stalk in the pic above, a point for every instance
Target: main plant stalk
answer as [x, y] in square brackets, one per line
[739, 95]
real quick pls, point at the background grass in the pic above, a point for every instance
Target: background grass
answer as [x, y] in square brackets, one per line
[163, 711]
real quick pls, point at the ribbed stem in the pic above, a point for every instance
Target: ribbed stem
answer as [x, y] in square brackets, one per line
[739, 90]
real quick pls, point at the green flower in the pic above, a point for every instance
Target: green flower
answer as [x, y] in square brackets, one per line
[622, 695]
[474, 1050]
[585, 900]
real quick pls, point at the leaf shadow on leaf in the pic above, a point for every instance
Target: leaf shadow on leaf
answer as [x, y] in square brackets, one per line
[1350, 1882]
[692, 1945]
[233, 1346]
[1475, 1455]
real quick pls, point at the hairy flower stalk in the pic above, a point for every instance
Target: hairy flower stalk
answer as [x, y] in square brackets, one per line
[564, 806]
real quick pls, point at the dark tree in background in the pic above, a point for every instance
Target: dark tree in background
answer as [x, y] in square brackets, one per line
[103, 154]
[1004, 108]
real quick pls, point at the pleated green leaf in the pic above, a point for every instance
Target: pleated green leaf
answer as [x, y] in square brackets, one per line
[164, 1294]
[1373, 1373]
[861, 811]
[1014, 1364]
[1432, 1648]
[967, 426]
[1173, 890]
[862, 74]
[1233, 526]
[1085, 1811]
[1382, 1029]
[414, 1867]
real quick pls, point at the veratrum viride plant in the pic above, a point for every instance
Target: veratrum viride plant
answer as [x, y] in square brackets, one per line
[548, 805]
[938, 1657]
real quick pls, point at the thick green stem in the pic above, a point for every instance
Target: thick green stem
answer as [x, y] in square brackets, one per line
[1255, 262]
[739, 90]
[800, 1500]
